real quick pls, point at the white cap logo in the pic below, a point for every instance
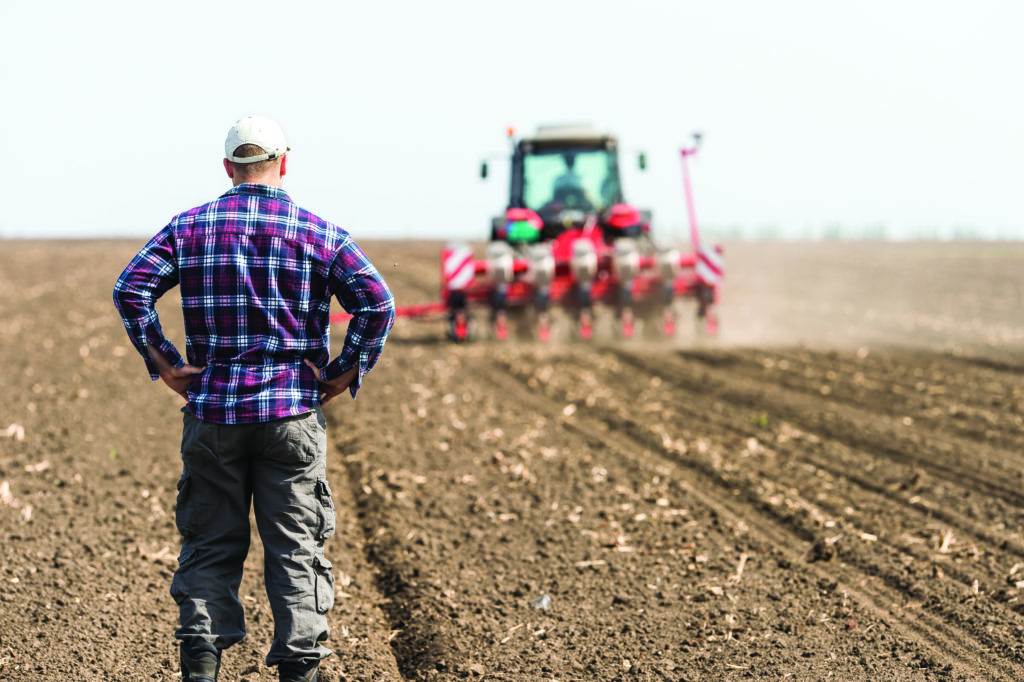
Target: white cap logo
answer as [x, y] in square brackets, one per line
[261, 131]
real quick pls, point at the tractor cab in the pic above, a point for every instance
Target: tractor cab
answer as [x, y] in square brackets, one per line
[566, 178]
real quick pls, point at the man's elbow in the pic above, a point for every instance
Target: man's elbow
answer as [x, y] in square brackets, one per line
[385, 303]
[119, 296]
[128, 299]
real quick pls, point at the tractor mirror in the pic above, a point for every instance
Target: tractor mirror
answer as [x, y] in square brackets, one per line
[483, 170]
[641, 161]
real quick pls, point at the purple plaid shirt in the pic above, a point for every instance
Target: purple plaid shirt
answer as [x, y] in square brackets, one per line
[257, 274]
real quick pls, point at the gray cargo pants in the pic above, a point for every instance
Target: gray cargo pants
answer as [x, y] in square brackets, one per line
[280, 467]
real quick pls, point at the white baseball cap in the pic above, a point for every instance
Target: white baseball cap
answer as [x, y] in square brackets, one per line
[261, 131]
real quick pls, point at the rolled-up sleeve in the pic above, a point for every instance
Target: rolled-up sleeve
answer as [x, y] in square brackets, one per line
[363, 294]
[147, 277]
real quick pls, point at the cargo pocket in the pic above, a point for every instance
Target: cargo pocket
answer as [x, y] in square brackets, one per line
[183, 516]
[314, 427]
[328, 516]
[191, 511]
[324, 584]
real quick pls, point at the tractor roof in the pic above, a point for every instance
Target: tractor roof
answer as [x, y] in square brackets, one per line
[572, 134]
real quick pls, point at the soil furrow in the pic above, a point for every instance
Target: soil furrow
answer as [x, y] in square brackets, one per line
[359, 630]
[823, 376]
[908, 367]
[999, 366]
[921, 380]
[694, 405]
[911, 486]
[897, 475]
[879, 594]
[946, 457]
[418, 646]
[837, 502]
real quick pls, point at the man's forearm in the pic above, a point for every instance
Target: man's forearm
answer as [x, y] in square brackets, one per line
[163, 365]
[364, 294]
[147, 276]
[142, 324]
[364, 343]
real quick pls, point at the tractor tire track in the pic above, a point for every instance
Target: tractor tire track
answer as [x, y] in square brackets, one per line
[996, 580]
[417, 644]
[951, 494]
[798, 480]
[946, 457]
[877, 593]
[824, 376]
[908, 367]
[692, 404]
[997, 366]
[913, 378]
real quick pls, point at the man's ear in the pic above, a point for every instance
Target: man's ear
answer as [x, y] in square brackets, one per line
[229, 169]
[284, 164]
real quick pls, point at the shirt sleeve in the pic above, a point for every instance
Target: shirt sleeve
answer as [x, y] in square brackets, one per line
[363, 294]
[148, 275]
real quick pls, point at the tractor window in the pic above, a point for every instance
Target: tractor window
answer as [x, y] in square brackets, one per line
[581, 179]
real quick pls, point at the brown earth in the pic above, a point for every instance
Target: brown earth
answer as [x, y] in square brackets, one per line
[832, 490]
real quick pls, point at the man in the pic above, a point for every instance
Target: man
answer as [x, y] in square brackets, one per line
[257, 274]
[568, 187]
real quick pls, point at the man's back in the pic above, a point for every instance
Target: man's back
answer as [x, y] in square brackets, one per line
[257, 274]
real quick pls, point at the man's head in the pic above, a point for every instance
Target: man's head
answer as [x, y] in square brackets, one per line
[255, 151]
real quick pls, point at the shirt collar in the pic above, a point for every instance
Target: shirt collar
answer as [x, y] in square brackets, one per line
[254, 189]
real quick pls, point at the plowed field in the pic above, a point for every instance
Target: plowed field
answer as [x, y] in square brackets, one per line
[832, 490]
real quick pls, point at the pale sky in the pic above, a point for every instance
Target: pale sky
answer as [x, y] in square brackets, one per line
[903, 114]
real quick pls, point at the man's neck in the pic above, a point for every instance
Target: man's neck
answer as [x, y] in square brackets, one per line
[270, 180]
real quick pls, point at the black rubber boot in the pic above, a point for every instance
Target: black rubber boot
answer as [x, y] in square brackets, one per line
[298, 671]
[203, 666]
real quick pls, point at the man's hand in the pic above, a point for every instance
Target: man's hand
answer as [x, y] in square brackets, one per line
[178, 378]
[329, 389]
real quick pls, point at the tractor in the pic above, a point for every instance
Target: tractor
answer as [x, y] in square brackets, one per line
[569, 239]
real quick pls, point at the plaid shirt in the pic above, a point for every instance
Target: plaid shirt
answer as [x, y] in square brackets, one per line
[257, 274]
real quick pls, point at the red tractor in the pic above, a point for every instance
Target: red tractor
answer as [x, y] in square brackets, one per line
[569, 239]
